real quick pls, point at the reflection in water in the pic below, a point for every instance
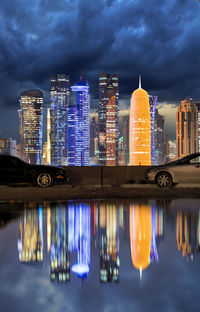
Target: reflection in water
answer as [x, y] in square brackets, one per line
[71, 226]
[57, 244]
[30, 244]
[79, 216]
[140, 235]
[109, 243]
[187, 233]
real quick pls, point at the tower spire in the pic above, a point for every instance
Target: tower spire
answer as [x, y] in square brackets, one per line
[140, 82]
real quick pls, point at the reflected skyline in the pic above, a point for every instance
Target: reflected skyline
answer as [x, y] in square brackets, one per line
[71, 226]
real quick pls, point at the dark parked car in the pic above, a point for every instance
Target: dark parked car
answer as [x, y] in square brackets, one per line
[15, 170]
[184, 170]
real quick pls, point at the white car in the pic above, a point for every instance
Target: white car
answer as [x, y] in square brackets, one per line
[184, 170]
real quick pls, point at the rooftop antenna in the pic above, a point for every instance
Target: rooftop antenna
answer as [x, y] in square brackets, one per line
[140, 82]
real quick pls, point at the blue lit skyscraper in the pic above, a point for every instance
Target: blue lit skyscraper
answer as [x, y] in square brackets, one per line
[82, 123]
[71, 136]
[60, 90]
[152, 104]
[31, 120]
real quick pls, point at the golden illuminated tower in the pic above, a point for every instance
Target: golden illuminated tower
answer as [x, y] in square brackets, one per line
[140, 128]
[140, 235]
[186, 128]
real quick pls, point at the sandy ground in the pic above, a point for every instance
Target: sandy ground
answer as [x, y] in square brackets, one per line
[67, 192]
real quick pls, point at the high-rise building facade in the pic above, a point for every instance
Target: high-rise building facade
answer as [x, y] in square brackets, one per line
[108, 115]
[31, 120]
[152, 104]
[197, 103]
[71, 149]
[82, 123]
[160, 147]
[60, 91]
[140, 129]
[186, 128]
[93, 141]
[125, 134]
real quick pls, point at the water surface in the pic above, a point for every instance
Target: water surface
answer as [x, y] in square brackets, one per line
[100, 256]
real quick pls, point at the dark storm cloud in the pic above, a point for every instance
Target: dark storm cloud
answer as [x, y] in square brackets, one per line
[158, 39]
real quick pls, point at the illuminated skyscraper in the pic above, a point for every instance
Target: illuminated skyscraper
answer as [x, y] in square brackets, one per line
[197, 103]
[108, 114]
[48, 136]
[140, 129]
[71, 149]
[186, 128]
[31, 119]
[152, 104]
[160, 147]
[60, 90]
[125, 133]
[82, 123]
[21, 134]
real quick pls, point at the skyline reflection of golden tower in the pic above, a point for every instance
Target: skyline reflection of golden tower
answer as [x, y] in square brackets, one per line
[140, 128]
[140, 235]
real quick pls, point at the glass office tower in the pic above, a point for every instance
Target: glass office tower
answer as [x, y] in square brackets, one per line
[108, 114]
[31, 119]
[60, 91]
[82, 123]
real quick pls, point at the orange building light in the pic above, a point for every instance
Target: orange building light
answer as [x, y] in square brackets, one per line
[140, 235]
[140, 129]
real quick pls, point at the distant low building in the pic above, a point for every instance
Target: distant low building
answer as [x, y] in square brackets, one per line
[8, 146]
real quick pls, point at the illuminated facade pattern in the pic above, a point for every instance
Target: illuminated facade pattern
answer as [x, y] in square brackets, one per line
[152, 104]
[21, 134]
[82, 123]
[160, 146]
[60, 91]
[140, 235]
[108, 115]
[111, 132]
[125, 133]
[140, 129]
[93, 137]
[79, 237]
[30, 243]
[31, 120]
[48, 136]
[57, 242]
[121, 152]
[198, 114]
[186, 128]
[71, 150]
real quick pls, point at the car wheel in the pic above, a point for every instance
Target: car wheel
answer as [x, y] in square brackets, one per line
[44, 179]
[163, 179]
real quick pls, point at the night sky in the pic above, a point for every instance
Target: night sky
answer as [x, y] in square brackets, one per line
[158, 39]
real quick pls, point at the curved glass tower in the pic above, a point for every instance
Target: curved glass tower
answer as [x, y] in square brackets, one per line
[140, 129]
